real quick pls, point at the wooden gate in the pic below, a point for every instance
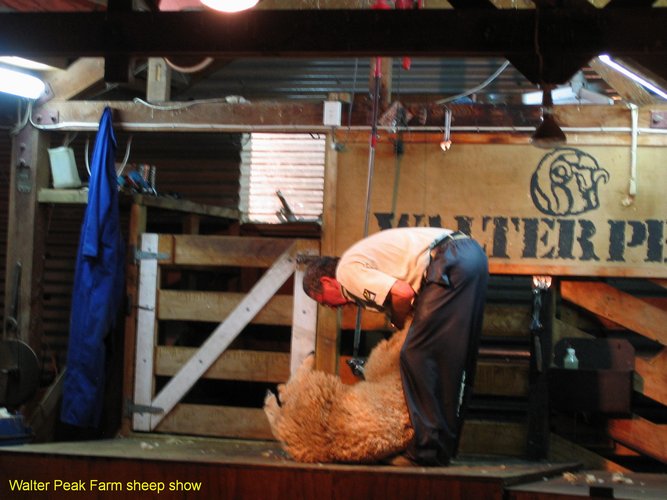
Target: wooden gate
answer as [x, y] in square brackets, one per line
[160, 408]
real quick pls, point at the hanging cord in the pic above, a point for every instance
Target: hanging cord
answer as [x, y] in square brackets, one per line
[119, 170]
[203, 64]
[356, 365]
[632, 183]
[22, 120]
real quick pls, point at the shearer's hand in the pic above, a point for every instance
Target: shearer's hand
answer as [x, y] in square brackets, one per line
[401, 298]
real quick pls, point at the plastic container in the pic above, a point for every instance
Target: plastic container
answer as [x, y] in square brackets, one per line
[63, 168]
[570, 360]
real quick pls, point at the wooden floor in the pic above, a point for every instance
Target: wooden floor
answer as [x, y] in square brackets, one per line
[141, 466]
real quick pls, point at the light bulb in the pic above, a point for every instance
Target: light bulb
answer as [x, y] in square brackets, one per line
[230, 5]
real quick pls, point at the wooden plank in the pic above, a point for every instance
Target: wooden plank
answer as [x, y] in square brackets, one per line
[641, 435]
[77, 196]
[80, 196]
[651, 377]
[224, 334]
[253, 366]
[189, 305]
[501, 378]
[493, 438]
[146, 332]
[622, 308]
[186, 206]
[304, 311]
[196, 250]
[218, 421]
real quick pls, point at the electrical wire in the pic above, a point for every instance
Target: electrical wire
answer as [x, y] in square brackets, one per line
[203, 64]
[479, 87]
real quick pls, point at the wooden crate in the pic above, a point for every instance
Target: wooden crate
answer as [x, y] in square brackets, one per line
[160, 408]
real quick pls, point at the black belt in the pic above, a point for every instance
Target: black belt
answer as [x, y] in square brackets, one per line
[457, 235]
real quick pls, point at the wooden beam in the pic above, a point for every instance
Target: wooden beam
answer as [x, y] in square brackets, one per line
[360, 32]
[26, 237]
[651, 377]
[82, 75]
[479, 123]
[617, 306]
[641, 435]
[326, 344]
[627, 88]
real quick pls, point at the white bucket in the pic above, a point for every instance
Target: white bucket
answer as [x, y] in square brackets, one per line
[63, 168]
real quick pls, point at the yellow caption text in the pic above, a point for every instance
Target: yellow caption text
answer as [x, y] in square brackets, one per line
[87, 485]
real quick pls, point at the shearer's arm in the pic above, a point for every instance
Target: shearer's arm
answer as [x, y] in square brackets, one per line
[401, 297]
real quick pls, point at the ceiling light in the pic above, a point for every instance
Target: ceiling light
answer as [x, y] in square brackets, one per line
[230, 5]
[21, 62]
[20, 84]
[634, 76]
[548, 134]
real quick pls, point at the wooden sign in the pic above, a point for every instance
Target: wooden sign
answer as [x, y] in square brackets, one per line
[564, 211]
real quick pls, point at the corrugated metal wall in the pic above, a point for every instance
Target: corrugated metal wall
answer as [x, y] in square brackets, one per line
[292, 164]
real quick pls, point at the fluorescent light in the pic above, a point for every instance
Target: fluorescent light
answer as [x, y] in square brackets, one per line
[634, 76]
[558, 94]
[20, 84]
[230, 5]
[20, 62]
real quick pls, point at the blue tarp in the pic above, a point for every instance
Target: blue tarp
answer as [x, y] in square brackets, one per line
[98, 287]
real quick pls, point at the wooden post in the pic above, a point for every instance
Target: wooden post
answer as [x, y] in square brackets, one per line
[26, 240]
[138, 214]
[158, 84]
[326, 345]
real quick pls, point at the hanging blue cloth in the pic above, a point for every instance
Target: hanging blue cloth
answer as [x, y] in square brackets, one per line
[98, 287]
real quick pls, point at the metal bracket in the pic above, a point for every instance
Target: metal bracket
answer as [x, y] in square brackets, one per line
[141, 255]
[304, 258]
[131, 408]
[23, 177]
[659, 119]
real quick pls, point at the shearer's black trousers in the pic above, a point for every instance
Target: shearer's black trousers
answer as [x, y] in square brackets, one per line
[440, 351]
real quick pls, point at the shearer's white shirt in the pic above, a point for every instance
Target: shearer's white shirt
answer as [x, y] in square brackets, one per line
[369, 268]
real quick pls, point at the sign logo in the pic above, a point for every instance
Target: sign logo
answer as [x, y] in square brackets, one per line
[566, 182]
